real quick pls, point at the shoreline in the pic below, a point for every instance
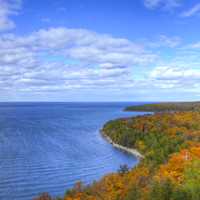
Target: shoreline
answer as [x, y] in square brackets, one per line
[133, 152]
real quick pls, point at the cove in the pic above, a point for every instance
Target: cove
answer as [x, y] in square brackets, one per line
[48, 147]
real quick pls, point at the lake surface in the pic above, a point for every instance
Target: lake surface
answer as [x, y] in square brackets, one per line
[47, 147]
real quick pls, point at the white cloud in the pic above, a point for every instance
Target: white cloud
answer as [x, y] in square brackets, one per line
[165, 41]
[195, 10]
[91, 47]
[170, 42]
[193, 46]
[167, 83]
[100, 60]
[7, 9]
[175, 77]
[61, 59]
[166, 4]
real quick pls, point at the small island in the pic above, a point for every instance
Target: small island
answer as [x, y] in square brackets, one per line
[169, 143]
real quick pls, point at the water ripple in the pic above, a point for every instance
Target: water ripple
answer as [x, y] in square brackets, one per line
[47, 147]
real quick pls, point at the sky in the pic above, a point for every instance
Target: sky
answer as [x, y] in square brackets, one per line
[99, 50]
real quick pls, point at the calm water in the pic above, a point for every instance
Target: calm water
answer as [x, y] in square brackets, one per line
[50, 146]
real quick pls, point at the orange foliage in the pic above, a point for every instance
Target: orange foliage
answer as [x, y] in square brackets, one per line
[174, 169]
[116, 186]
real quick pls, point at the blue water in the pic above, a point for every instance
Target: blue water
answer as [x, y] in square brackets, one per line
[47, 147]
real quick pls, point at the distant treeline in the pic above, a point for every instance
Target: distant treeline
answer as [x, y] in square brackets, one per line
[166, 107]
[170, 169]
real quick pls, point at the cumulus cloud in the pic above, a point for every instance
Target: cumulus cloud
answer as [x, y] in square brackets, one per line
[175, 77]
[7, 9]
[175, 73]
[88, 59]
[89, 46]
[61, 59]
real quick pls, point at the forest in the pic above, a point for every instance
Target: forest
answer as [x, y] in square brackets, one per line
[166, 107]
[170, 169]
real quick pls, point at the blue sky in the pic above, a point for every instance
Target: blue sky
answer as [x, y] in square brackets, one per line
[99, 50]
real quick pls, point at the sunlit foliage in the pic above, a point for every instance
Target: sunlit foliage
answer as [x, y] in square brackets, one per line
[170, 170]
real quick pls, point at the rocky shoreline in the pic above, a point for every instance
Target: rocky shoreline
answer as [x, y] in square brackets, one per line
[122, 148]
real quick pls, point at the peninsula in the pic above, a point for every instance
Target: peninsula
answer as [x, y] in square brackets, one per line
[170, 144]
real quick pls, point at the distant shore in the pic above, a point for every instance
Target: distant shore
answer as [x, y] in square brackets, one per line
[166, 107]
[131, 151]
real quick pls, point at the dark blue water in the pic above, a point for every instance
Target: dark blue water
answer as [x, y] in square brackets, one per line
[47, 147]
